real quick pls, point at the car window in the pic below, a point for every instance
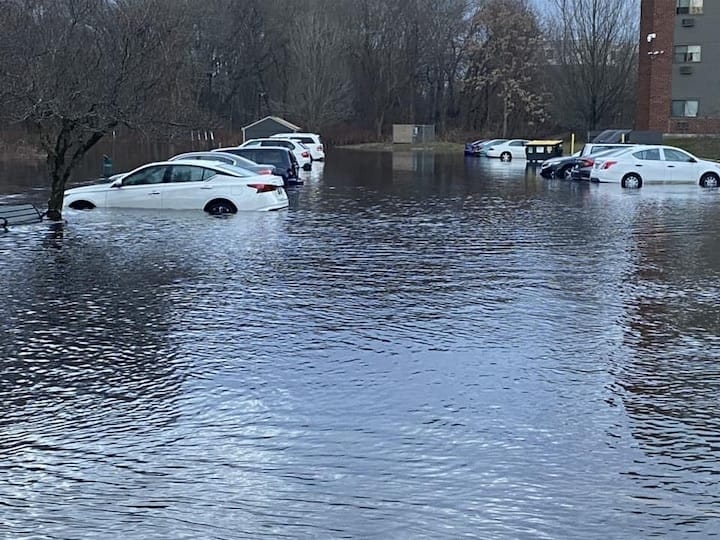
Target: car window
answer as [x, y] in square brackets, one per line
[149, 175]
[284, 144]
[280, 156]
[252, 143]
[211, 157]
[652, 154]
[676, 155]
[243, 153]
[304, 140]
[244, 162]
[273, 157]
[517, 143]
[186, 173]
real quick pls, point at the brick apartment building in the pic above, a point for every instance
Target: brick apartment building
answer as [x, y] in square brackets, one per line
[679, 66]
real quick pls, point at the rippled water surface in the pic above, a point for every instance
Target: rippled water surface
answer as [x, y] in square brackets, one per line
[420, 347]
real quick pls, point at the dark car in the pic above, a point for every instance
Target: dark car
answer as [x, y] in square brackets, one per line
[584, 165]
[473, 148]
[562, 167]
[284, 161]
[557, 166]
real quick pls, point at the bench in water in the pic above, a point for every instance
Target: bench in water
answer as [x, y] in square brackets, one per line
[18, 214]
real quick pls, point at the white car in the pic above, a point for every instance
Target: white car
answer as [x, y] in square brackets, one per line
[637, 166]
[299, 149]
[214, 187]
[508, 150]
[311, 140]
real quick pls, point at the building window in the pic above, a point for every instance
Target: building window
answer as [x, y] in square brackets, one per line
[687, 53]
[689, 7]
[684, 108]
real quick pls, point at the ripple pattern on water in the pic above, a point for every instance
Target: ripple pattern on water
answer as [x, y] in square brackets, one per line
[418, 348]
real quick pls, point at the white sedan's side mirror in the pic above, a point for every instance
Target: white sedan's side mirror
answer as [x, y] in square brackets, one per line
[117, 183]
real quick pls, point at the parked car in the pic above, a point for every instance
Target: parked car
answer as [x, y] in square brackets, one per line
[473, 148]
[483, 147]
[583, 165]
[213, 187]
[283, 159]
[645, 164]
[229, 159]
[508, 150]
[302, 154]
[555, 166]
[562, 167]
[311, 140]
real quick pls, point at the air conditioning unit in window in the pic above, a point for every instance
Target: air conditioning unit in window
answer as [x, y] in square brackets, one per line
[688, 22]
[686, 70]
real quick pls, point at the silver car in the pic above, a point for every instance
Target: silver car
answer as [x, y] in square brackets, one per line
[229, 159]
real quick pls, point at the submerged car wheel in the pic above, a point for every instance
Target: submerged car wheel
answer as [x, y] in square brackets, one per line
[506, 156]
[631, 181]
[220, 207]
[710, 180]
[81, 205]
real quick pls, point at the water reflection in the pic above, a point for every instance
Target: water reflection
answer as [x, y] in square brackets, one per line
[417, 348]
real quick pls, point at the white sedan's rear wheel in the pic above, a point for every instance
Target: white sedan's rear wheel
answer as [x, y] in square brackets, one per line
[710, 180]
[506, 156]
[220, 207]
[631, 181]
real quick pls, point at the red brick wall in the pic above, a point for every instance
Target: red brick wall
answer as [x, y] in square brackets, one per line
[694, 125]
[655, 65]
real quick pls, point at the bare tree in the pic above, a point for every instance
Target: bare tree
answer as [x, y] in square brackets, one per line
[597, 53]
[72, 70]
[319, 80]
[447, 29]
[379, 57]
[503, 60]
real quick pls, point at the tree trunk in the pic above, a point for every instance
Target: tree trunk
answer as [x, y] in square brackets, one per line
[57, 195]
[60, 168]
[379, 121]
[506, 113]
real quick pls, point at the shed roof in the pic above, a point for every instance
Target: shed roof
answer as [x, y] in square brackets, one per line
[277, 119]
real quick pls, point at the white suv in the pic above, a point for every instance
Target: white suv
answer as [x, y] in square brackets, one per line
[302, 154]
[311, 140]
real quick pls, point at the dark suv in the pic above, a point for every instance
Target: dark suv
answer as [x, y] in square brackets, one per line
[285, 163]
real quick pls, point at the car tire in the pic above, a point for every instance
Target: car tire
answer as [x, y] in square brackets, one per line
[562, 173]
[710, 180]
[220, 207]
[631, 181]
[506, 156]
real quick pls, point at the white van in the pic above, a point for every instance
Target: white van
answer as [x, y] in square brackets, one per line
[311, 140]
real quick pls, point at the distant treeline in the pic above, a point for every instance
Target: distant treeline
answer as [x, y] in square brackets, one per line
[73, 70]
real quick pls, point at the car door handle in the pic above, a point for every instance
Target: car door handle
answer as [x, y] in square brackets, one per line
[671, 166]
[154, 193]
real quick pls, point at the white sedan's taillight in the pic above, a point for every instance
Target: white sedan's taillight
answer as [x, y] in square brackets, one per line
[263, 188]
[305, 154]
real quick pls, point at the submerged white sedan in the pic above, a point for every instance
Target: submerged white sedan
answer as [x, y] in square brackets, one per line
[636, 166]
[508, 150]
[216, 188]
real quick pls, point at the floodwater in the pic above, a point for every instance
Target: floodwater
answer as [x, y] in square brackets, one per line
[422, 346]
